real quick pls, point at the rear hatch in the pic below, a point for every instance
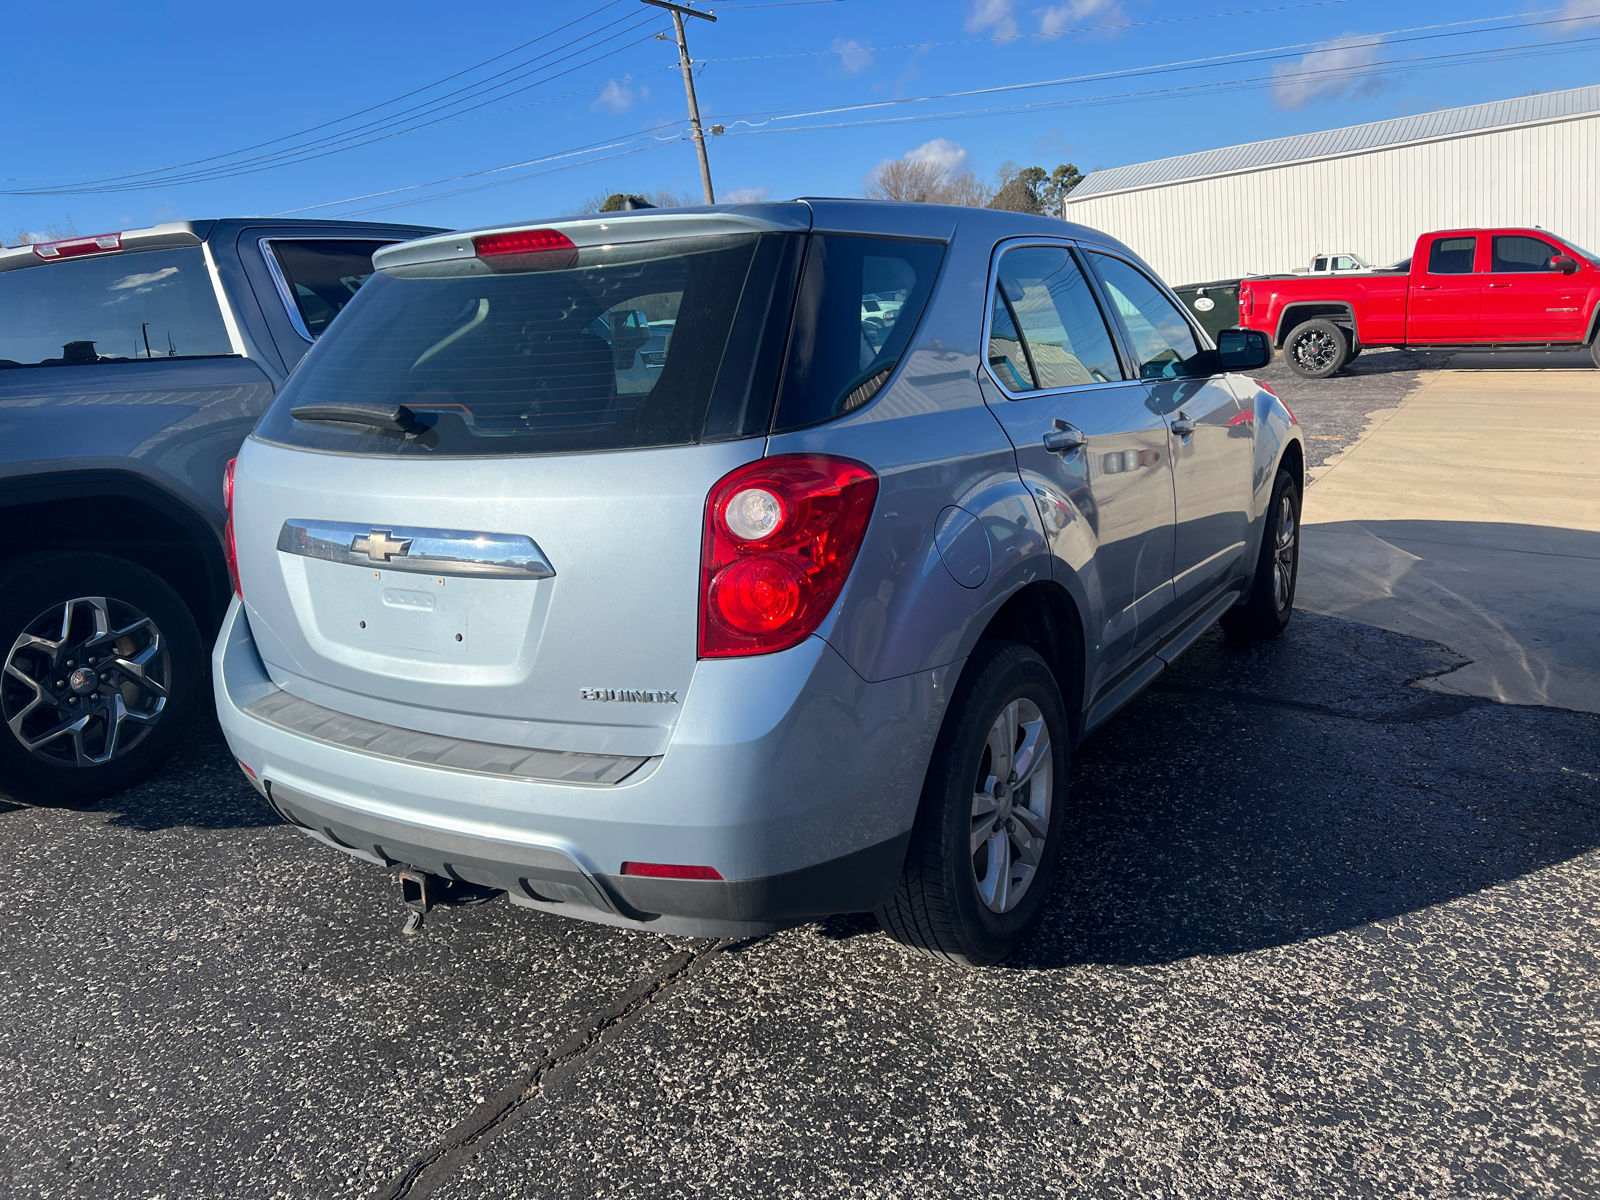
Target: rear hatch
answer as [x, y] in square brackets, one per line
[476, 508]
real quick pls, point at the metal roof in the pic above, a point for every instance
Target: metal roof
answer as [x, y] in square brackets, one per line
[1331, 143]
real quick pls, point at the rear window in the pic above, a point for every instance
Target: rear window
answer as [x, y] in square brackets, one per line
[116, 308]
[645, 344]
[320, 275]
[1452, 256]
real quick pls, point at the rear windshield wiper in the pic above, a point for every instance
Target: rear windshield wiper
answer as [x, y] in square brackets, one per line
[374, 414]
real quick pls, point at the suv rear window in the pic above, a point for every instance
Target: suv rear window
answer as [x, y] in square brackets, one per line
[659, 343]
[116, 308]
[320, 275]
[643, 344]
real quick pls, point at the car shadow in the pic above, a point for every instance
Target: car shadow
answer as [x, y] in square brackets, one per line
[200, 786]
[1264, 794]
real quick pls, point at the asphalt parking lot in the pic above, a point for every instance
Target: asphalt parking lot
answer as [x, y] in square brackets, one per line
[1321, 933]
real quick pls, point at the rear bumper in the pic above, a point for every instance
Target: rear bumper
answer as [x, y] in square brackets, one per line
[788, 773]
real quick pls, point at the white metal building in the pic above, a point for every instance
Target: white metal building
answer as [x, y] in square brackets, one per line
[1370, 189]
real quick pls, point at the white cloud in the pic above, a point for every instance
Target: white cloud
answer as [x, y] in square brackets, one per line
[618, 97]
[1330, 73]
[750, 195]
[853, 56]
[1062, 17]
[141, 281]
[942, 153]
[1583, 12]
[991, 14]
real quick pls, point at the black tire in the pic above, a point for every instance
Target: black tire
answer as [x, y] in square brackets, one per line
[940, 907]
[1266, 608]
[1316, 348]
[160, 644]
[1594, 351]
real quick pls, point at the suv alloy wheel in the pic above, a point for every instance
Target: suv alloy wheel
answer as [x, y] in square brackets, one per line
[988, 834]
[103, 665]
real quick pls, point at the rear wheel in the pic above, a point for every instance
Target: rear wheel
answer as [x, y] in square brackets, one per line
[1594, 351]
[103, 669]
[1266, 609]
[989, 830]
[1316, 348]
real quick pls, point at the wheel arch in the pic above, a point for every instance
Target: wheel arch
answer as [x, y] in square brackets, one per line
[1043, 616]
[120, 513]
[1340, 314]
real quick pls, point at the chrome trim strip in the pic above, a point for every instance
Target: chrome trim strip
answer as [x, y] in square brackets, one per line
[302, 717]
[419, 551]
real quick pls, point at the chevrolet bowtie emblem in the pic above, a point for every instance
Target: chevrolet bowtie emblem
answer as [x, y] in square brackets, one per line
[379, 546]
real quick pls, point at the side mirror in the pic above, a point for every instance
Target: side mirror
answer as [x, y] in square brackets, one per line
[1562, 263]
[1244, 349]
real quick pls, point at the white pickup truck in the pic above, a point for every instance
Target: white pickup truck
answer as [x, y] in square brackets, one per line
[1334, 264]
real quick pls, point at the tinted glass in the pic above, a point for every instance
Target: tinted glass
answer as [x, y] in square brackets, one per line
[150, 304]
[1320, 264]
[643, 344]
[1162, 340]
[1452, 256]
[859, 302]
[1064, 341]
[322, 276]
[1514, 254]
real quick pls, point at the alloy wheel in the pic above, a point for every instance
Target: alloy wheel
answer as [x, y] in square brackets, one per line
[1286, 541]
[85, 681]
[1011, 805]
[1316, 350]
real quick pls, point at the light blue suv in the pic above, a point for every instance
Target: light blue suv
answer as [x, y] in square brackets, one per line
[806, 621]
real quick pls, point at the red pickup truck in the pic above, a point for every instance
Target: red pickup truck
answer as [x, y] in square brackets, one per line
[1463, 289]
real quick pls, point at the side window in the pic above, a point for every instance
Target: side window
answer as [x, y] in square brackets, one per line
[1516, 254]
[1344, 263]
[1045, 329]
[1162, 340]
[858, 303]
[320, 275]
[1320, 264]
[1452, 255]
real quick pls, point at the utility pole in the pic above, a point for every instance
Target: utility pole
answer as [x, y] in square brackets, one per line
[678, 12]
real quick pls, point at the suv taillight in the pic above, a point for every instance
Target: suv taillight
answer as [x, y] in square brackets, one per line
[227, 529]
[781, 535]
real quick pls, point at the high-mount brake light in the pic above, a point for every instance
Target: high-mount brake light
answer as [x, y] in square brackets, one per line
[229, 549]
[527, 249]
[781, 535]
[99, 243]
[670, 871]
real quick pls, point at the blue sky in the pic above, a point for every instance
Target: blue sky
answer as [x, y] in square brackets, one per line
[814, 94]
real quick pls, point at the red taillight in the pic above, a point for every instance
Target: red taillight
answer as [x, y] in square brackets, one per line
[528, 249]
[781, 535]
[670, 871]
[245, 767]
[100, 243]
[227, 529]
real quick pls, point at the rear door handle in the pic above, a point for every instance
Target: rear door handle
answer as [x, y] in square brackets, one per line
[1064, 438]
[1182, 426]
[1429, 287]
[1500, 285]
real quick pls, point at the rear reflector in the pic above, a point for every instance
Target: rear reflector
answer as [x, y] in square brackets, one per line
[670, 871]
[100, 243]
[533, 249]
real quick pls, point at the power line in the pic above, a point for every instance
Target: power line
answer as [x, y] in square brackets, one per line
[376, 130]
[1267, 54]
[1249, 83]
[1033, 37]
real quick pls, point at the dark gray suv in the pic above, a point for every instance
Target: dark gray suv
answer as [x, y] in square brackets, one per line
[132, 365]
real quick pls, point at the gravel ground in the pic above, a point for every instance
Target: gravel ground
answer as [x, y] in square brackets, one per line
[1321, 933]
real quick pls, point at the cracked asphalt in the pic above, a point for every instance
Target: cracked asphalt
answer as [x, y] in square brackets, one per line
[1320, 932]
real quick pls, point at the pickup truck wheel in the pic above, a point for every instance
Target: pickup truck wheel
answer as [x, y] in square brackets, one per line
[1265, 611]
[103, 669]
[989, 829]
[1594, 351]
[1316, 348]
